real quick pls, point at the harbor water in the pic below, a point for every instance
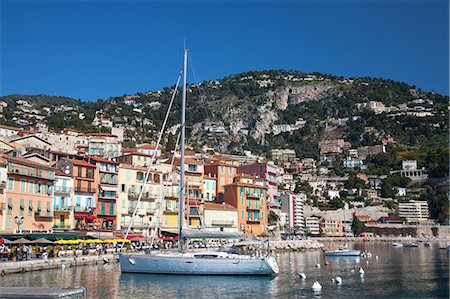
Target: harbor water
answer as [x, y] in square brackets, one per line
[390, 272]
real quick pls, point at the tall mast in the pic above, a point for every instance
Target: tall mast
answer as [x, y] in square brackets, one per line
[181, 197]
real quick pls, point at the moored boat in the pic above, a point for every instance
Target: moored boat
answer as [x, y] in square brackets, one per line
[342, 252]
[410, 245]
[397, 245]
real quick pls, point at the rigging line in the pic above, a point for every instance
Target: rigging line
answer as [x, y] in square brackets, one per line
[202, 94]
[147, 173]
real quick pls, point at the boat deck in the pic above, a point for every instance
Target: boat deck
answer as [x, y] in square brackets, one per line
[39, 292]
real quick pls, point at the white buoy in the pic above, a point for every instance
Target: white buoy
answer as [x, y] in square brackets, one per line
[316, 286]
[338, 280]
[353, 271]
[317, 265]
[302, 275]
[367, 262]
[63, 266]
[361, 271]
[376, 257]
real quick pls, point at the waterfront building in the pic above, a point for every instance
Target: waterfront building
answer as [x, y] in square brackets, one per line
[331, 228]
[270, 173]
[312, 226]
[63, 205]
[250, 199]
[148, 149]
[194, 171]
[292, 205]
[220, 217]
[108, 187]
[414, 211]
[209, 188]
[131, 178]
[224, 174]
[85, 190]
[3, 179]
[29, 195]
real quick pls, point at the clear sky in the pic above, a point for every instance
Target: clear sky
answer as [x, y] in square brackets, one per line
[97, 49]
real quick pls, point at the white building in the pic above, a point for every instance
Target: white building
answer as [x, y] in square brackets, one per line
[6, 131]
[63, 201]
[220, 217]
[104, 145]
[414, 211]
[292, 205]
[312, 226]
[148, 149]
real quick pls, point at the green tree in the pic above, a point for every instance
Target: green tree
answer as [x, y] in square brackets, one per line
[386, 190]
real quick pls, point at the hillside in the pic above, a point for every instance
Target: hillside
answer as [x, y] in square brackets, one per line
[260, 111]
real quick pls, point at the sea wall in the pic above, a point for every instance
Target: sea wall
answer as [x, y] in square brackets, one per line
[283, 246]
[52, 263]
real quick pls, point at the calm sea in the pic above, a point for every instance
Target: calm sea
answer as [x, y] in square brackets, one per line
[397, 273]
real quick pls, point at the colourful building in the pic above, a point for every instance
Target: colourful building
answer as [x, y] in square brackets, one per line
[63, 194]
[250, 199]
[223, 172]
[85, 191]
[28, 195]
[209, 188]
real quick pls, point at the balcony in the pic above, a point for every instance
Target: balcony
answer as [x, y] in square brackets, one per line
[61, 209]
[2, 206]
[146, 196]
[253, 195]
[110, 181]
[62, 190]
[110, 196]
[228, 223]
[39, 215]
[254, 220]
[85, 190]
[84, 209]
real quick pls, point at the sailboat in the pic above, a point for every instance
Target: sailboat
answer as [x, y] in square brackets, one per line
[196, 263]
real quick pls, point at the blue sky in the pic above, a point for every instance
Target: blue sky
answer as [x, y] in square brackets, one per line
[97, 49]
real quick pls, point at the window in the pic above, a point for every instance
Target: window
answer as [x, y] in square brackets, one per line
[123, 203]
[31, 186]
[242, 214]
[242, 201]
[222, 181]
[262, 202]
[48, 210]
[30, 207]
[230, 170]
[249, 215]
[39, 207]
[10, 206]
[262, 215]
[128, 175]
[222, 169]
[10, 184]
[79, 172]
[230, 181]
[241, 190]
[111, 209]
[192, 167]
[22, 185]
[206, 185]
[22, 207]
[123, 188]
[256, 203]
[103, 208]
[8, 223]
[49, 174]
[249, 203]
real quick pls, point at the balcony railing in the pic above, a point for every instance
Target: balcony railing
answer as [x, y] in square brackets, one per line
[63, 190]
[85, 190]
[108, 181]
[38, 214]
[222, 222]
[61, 208]
[84, 209]
[253, 220]
[146, 196]
[107, 195]
[254, 195]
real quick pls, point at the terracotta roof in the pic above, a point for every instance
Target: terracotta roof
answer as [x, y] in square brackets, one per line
[147, 146]
[10, 128]
[80, 163]
[238, 184]
[61, 173]
[27, 162]
[217, 206]
[186, 160]
[219, 163]
[100, 159]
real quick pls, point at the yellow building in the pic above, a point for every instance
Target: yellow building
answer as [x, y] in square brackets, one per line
[130, 184]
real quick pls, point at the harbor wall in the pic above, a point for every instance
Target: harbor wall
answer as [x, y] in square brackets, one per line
[52, 263]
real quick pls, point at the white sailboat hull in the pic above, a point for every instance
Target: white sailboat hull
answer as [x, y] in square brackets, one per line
[189, 265]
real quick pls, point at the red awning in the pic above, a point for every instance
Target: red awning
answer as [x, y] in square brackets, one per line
[92, 217]
[110, 218]
[80, 216]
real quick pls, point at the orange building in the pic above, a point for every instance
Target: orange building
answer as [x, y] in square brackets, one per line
[223, 172]
[250, 199]
[28, 195]
[86, 178]
[107, 191]
[194, 176]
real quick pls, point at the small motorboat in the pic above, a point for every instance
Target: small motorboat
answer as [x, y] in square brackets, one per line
[397, 245]
[410, 245]
[342, 252]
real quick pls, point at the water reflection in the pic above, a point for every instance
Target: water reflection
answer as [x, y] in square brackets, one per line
[397, 273]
